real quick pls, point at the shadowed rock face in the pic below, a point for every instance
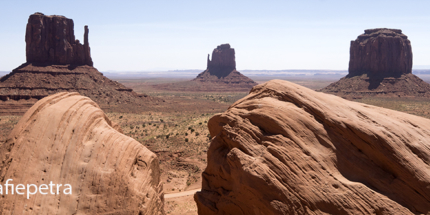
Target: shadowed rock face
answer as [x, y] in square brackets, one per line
[223, 61]
[67, 139]
[51, 40]
[285, 149]
[381, 52]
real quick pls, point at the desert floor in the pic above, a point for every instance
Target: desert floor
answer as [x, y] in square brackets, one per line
[176, 130]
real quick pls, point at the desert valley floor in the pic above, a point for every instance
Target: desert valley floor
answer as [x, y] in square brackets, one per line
[176, 130]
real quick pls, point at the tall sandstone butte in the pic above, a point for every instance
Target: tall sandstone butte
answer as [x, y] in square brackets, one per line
[56, 62]
[380, 65]
[381, 52]
[66, 138]
[220, 75]
[286, 149]
[51, 40]
[221, 70]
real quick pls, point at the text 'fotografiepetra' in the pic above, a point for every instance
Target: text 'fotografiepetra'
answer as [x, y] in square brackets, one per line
[31, 189]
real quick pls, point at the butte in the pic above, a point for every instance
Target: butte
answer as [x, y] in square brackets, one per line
[380, 65]
[56, 62]
[220, 76]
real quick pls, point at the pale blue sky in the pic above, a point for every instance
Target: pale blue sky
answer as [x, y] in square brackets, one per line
[162, 35]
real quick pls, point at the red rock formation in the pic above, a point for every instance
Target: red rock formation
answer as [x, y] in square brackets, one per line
[286, 149]
[67, 139]
[51, 40]
[221, 73]
[223, 61]
[380, 65]
[381, 52]
[58, 63]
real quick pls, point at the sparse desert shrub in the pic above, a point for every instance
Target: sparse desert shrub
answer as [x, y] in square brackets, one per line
[186, 140]
[206, 121]
[131, 127]
[120, 117]
[143, 125]
[161, 120]
[149, 123]
[197, 133]
[186, 134]
[192, 130]
[200, 123]
[137, 127]
[189, 128]
[167, 136]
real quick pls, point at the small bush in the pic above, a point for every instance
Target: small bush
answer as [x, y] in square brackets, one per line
[120, 117]
[167, 136]
[197, 133]
[186, 140]
[186, 134]
[192, 130]
[200, 123]
[161, 120]
[131, 127]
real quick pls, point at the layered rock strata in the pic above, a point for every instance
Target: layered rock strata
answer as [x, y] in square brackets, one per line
[285, 149]
[380, 65]
[66, 138]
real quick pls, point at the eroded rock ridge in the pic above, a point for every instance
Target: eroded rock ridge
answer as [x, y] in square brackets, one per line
[286, 149]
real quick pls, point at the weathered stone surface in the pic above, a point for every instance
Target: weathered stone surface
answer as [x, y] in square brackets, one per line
[51, 40]
[380, 65]
[221, 73]
[285, 149]
[67, 139]
[381, 52]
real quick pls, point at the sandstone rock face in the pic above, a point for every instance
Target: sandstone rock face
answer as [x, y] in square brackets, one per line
[51, 40]
[381, 52]
[285, 149]
[221, 73]
[67, 139]
[223, 61]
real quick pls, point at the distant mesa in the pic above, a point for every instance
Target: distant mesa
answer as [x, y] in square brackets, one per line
[380, 65]
[220, 76]
[56, 62]
[222, 69]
